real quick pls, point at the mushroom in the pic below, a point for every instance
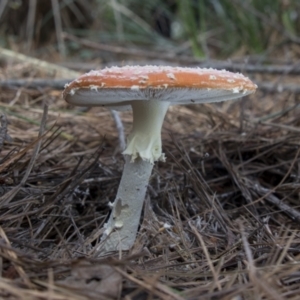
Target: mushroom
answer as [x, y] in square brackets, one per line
[149, 91]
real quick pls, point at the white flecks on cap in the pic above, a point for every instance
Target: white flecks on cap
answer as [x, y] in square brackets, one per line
[171, 76]
[94, 88]
[236, 90]
[143, 79]
[121, 94]
[73, 91]
[140, 70]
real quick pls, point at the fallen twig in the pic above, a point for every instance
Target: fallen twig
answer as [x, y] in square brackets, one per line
[59, 84]
[3, 130]
[188, 60]
[287, 209]
[49, 68]
[36, 83]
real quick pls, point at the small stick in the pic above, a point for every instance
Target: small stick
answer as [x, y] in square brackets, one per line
[41, 65]
[30, 23]
[120, 128]
[285, 208]
[58, 28]
[3, 130]
[35, 83]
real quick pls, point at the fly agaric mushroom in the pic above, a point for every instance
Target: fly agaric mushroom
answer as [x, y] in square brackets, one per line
[149, 91]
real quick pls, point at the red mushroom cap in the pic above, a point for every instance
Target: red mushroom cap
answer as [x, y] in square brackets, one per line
[117, 86]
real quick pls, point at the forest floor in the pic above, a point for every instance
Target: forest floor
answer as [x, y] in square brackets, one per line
[221, 218]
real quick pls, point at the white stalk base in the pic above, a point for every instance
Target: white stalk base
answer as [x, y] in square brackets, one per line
[122, 226]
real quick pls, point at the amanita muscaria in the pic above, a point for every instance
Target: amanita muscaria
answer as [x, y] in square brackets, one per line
[148, 91]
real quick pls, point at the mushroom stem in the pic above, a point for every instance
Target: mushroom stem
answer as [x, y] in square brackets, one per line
[122, 226]
[145, 138]
[144, 147]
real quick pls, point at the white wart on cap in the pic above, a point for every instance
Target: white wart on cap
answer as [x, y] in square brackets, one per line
[149, 90]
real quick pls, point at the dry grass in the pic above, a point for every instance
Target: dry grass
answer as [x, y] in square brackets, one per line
[221, 219]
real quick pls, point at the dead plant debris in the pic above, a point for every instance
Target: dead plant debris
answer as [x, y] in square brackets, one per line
[221, 220]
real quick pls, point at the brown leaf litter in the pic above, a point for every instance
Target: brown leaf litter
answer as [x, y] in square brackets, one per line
[221, 220]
